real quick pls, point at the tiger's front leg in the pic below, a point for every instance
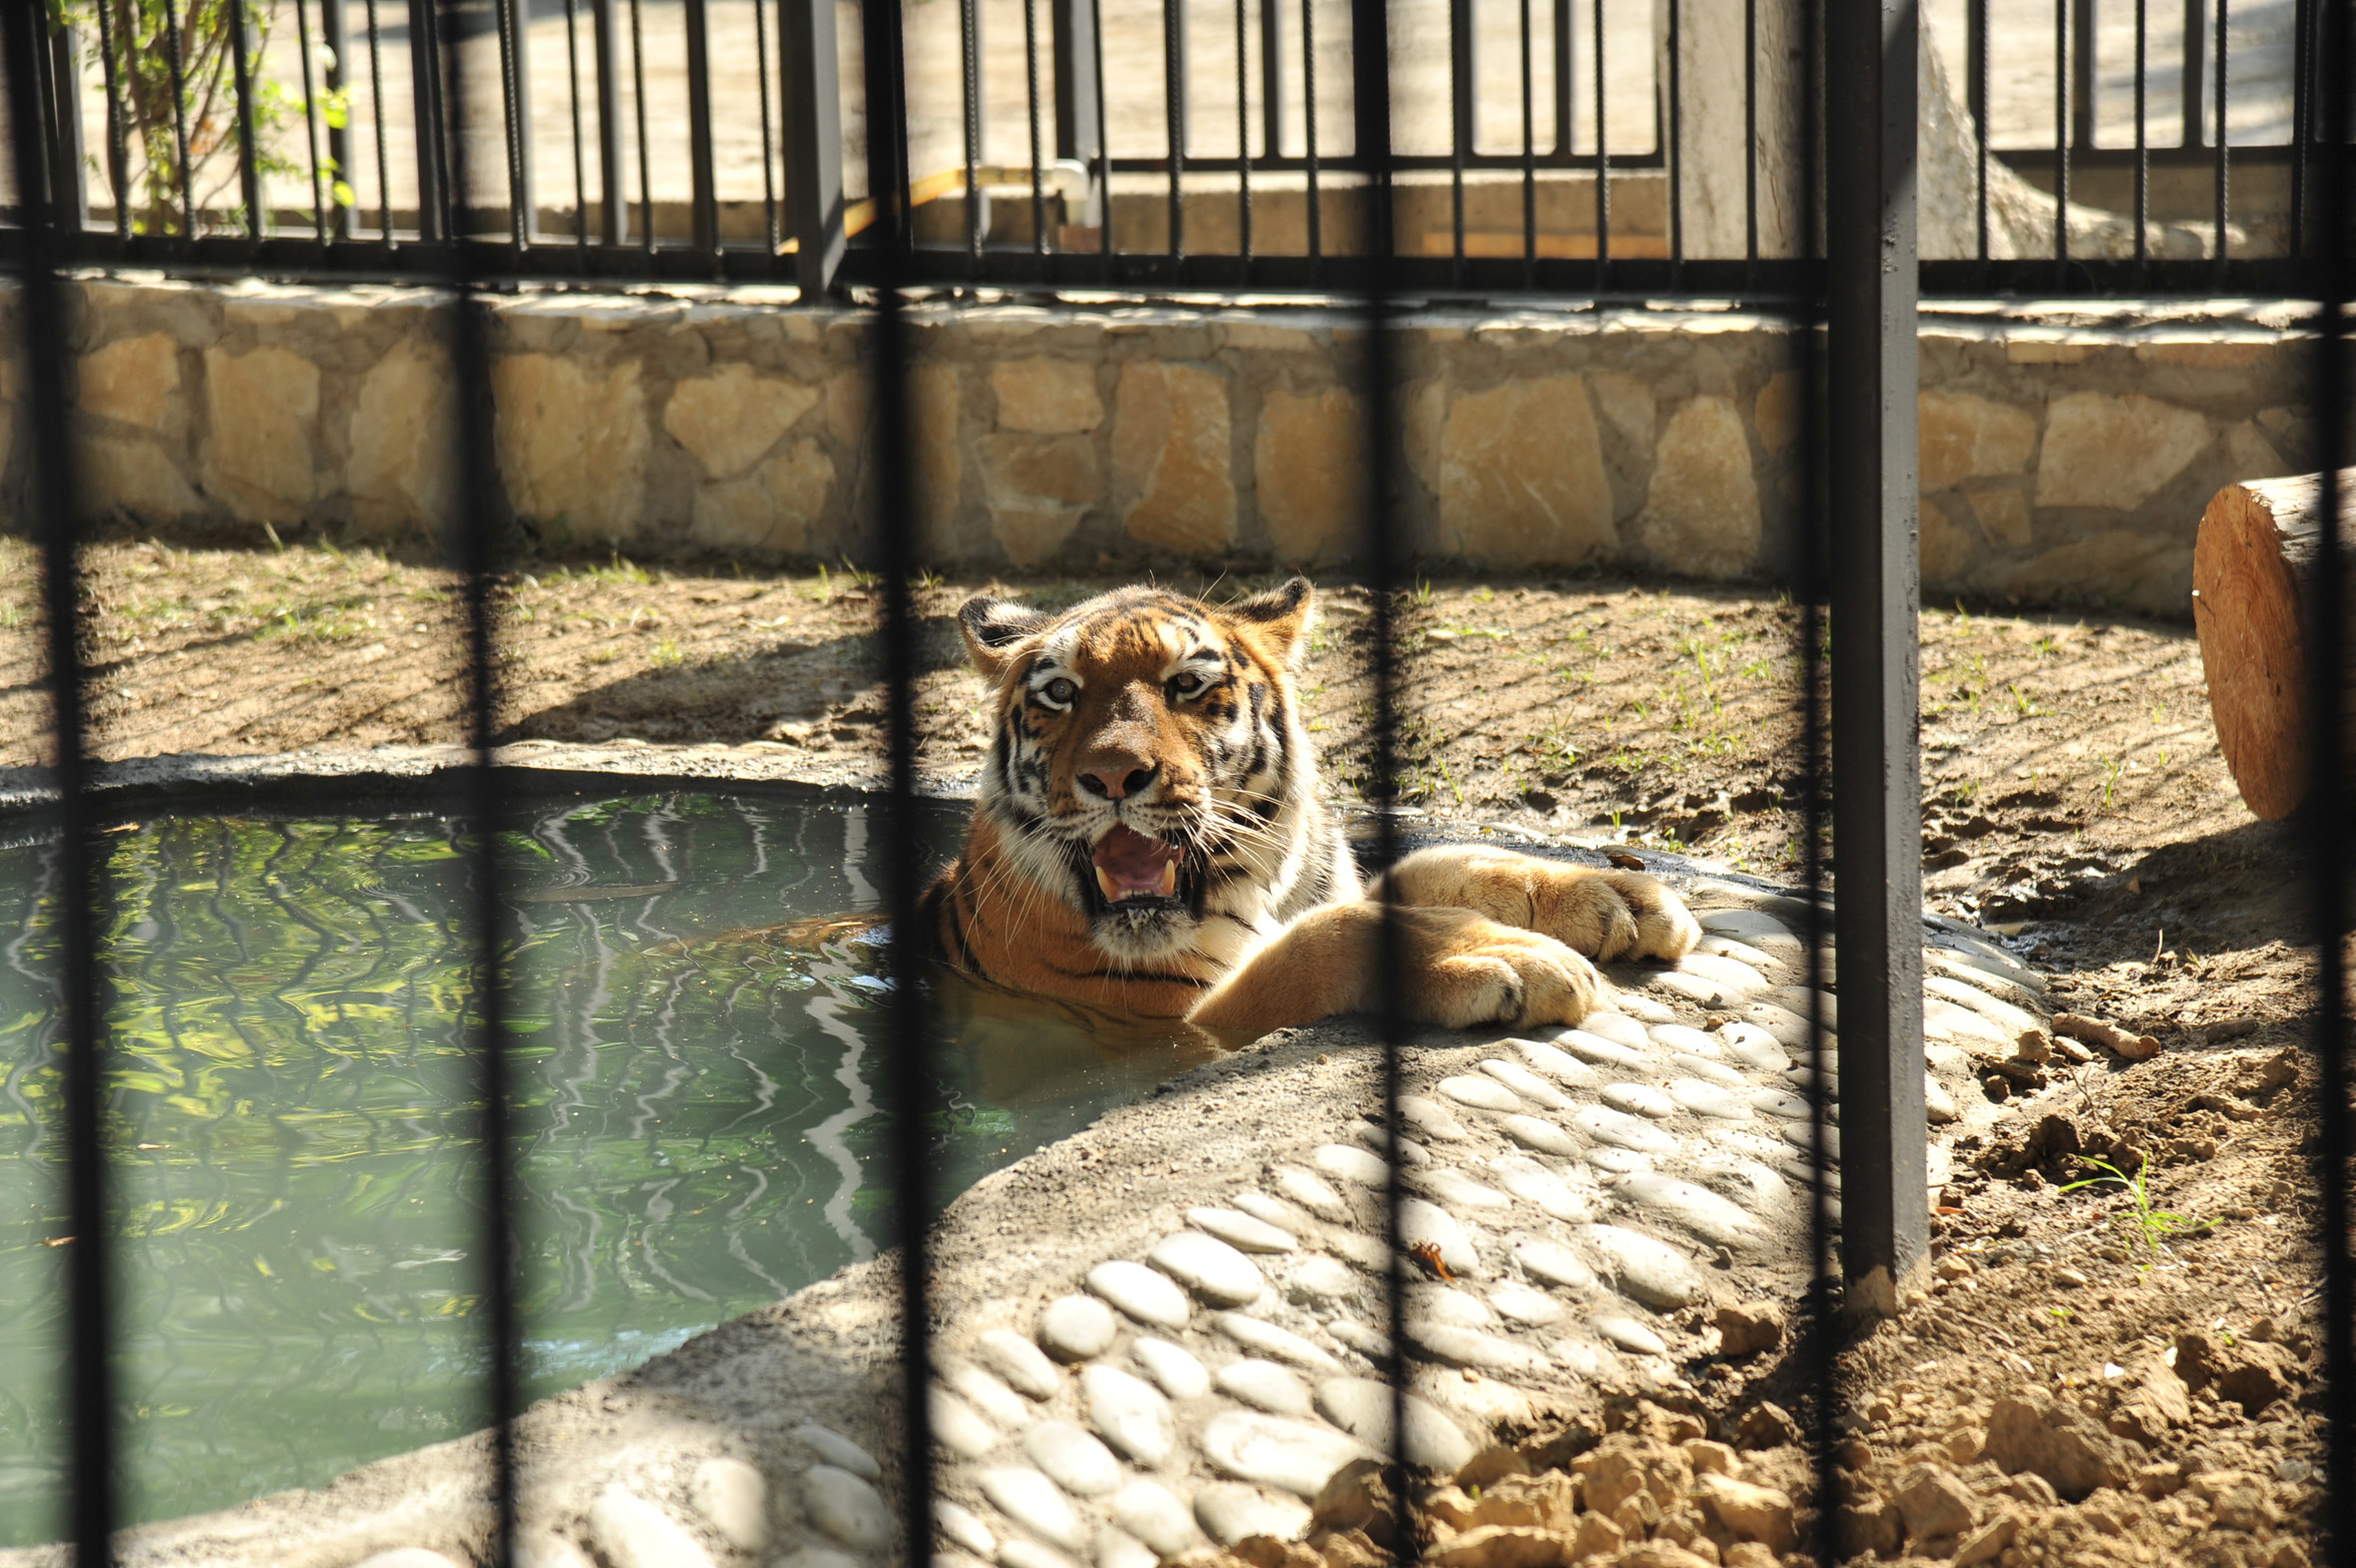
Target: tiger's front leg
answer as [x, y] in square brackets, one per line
[1607, 915]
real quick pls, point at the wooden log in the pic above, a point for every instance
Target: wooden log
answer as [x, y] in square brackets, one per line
[2252, 585]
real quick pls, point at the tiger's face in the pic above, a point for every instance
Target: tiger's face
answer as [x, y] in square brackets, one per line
[1146, 747]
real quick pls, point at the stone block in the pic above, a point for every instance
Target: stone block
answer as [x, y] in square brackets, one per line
[2209, 353]
[131, 476]
[573, 439]
[2249, 455]
[261, 415]
[1521, 477]
[1309, 468]
[1962, 436]
[1776, 412]
[1048, 397]
[134, 381]
[2115, 452]
[770, 511]
[1700, 518]
[1171, 458]
[934, 392]
[2132, 567]
[1038, 489]
[403, 467]
[1949, 547]
[1626, 406]
[2005, 514]
[2045, 351]
[732, 417]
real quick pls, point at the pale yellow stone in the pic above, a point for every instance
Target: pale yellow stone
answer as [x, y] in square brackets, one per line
[1425, 413]
[1031, 534]
[2249, 455]
[933, 394]
[1048, 397]
[1521, 477]
[1775, 413]
[132, 477]
[260, 409]
[732, 417]
[2005, 514]
[2209, 353]
[403, 435]
[1308, 464]
[1700, 516]
[770, 510]
[1019, 469]
[572, 442]
[2134, 568]
[1948, 547]
[1172, 473]
[1962, 436]
[1266, 337]
[135, 381]
[2105, 451]
[1627, 405]
[2045, 351]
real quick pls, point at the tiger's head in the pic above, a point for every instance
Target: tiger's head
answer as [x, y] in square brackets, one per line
[1148, 765]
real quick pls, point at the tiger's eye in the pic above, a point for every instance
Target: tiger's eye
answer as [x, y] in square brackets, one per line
[1060, 691]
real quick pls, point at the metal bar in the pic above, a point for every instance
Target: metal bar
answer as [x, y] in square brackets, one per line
[704, 198]
[1976, 70]
[69, 192]
[515, 124]
[580, 144]
[1463, 120]
[2302, 117]
[1565, 118]
[1750, 136]
[1243, 136]
[1873, 373]
[2191, 81]
[1030, 106]
[812, 102]
[175, 59]
[335, 31]
[1317, 230]
[2061, 78]
[1603, 167]
[969, 63]
[1529, 156]
[2083, 59]
[1272, 79]
[1675, 150]
[2143, 129]
[638, 118]
[613, 204]
[1174, 97]
[242, 82]
[384, 168]
[311, 117]
[1079, 97]
[769, 228]
[118, 151]
[86, 1387]
[2220, 248]
[425, 89]
[1103, 184]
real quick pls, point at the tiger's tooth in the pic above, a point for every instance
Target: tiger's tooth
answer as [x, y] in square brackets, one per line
[1169, 878]
[1111, 888]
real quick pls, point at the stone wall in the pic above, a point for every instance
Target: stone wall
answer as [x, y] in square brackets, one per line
[2065, 454]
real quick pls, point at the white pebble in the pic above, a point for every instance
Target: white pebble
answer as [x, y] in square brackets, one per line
[989, 1395]
[1559, 1065]
[1272, 1211]
[1288, 1456]
[1706, 1067]
[1482, 1093]
[1320, 1280]
[1228, 1512]
[1071, 1458]
[1691, 1208]
[1148, 1510]
[964, 1526]
[1640, 1099]
[1241, 1231]
[1015, 1552]
[1430, 1118]
[1651, 1272]
[1533, 1183]
[1420, 1221]
[1553, 1263]
[1312, 1193]
[1180, 1376]
[1208, 1267]
[1018, 1361]
[420, 1557]
[1077, 1327]
[1031, 1500]
[1346, 1163]
[1631, 1335]
[733, 1498]
[1522, 1082]
[537, 1547]
[957, 1428]
[838, 1450]
[1117, 1548]
[1130, 1412]
[1623, 1131]
[630, 1532]
[1457, 1188]
[1534, 1132]
[1363, 1407]
[1597, 1052]
[1253, 1334]
[1615, 1028]
[1141, 1293]
[1524, 1305]
[846, 1507]
[1471, 1348]
[1264, 1386]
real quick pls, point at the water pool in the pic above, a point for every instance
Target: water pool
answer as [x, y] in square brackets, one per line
[290, 1134]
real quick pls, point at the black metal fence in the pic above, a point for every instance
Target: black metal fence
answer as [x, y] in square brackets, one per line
[1583, 147]
[1859, 445]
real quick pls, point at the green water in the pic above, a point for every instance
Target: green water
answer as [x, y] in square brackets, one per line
[289, 1127]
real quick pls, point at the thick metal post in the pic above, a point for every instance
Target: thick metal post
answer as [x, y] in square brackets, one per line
[813, 140]
[1870, 284]
[69, 192]
[1079, 110]
[523, 195]
[335, 31]
[425, 85]
[614, 213]
[705, 190]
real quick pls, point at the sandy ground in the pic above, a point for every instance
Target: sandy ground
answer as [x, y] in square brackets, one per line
[2075, 800]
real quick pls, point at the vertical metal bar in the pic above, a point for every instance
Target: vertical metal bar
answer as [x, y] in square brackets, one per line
[2143, 133]
[241, 81]
[1529, 157]
[384, 168]
[969, 62]
[812, 102]
[1565, 118]
[2220, 249]
[1174, 95]
[86, 1387]
[523, 187]
[175, 59]
[769, 228]
[1750, 147]
[705, 190]
[1603, 167]
[118, 151]
[335, 31]
[580, 144]
[2083, 59]
[2062, 80]
[2191, 82]
[612, 204]
[1675, 149]
[1243, 137]
[425, 72]
[1316, 227]
[69, 192]
[638, 118]
[1080, 96]
[1272, 79]
[1871, 281]
[1030, 106]
[2302, 117]
[1104, 181]
[1462, 119]
[1976, 68]
[311, 117]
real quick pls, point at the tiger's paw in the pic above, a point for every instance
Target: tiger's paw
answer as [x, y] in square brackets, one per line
[1461, 970]
[1615, 916]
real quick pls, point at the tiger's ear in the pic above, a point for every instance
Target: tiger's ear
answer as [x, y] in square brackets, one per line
[1279, 619]
[992, 628]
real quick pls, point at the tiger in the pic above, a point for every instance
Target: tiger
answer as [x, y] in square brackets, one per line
[1150, 838]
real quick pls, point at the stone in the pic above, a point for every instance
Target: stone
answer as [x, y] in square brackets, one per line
[420, 1557]
[935, 399]
[1071, 1458]
[1320, 1280]
[132, 381]
[1754, 1046]
[1171, 1367]
[1430, 1118]
[1254, 1333]
[1774, 413]
[732, 417]
[1352, 1165]
[1312, 1193]
[2004, 515]
[1747, 1512]
[1623, 1131]
[957, 1428]
[1018, 1553]
[1933, 1502]
[1481, 1092]
[1553, 1263]
[1533, 1183]
[1779, 1103]
[572, 437]
[1559, 1065]
[1987, 1543]
[1129, 1413]
[1047, 397]
[1616, 1027]
[1740, 951]
[1963, 436]
[1077, 1328]
[1690, 1208]
[1172, 479]
[1639, 1099]
[134, 477]
[1524, 1305]
[1628, 1335]
[1288, 1456]
[1032, 1501]
[1461, 1347]
[2113, 452]
[1601, 1053]
[1649, 1271]
[1700, 516]
[1534, 1132]
[1306, 468]
[1446, 1304]
[1241, 1231]
[1522, 1082]
[846, 1507]
[1264, 1386]
[537, 1547]
[770, 511]
[1740, 979]
[1420, 1221]
[1377, 1138]
[733, 1498]
[630, 1532]
[1938, 1105]
[1018, 1361]
[402, 470]
[1363, 1407]
[2032, 1431]
[1709, 1099]
[838, 1450]
[1142, 1294]
[1499, 1546]
[1149, 1511]
[1229, 1513]
[1618, 1162]
[964, 1527]
[1521, 478]
[2249, 455]
[1456, 1188]
[261, 412]
[1208, 1267]
[1747, 1327]
[1272, 1211]
[993, 1397]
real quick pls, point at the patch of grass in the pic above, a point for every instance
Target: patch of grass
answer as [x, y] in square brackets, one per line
[666, 653]
[336, 622]
[2152, 1226]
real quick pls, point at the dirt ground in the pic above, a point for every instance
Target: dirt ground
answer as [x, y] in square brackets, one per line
[2075, 801]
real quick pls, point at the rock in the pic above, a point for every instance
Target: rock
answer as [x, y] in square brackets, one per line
[1130, 1412]
[1533, 1183]
[1117, 1548]
[772, 509]
[1031, 1500]
[1446, 1304]
[1559, 1065]
[537, 1547]
[1748, 1554]
[2113, 452]
[1241, 1231]
[630, 1532]
[1319, 1279]
[1307, 463]
[1018, 1361]
[1653, 1273]
[1623, 1131]
[1048, 397]
[1310, 1193]
[1363, 1407]
[1378, 1138]
[1430, 1118]
[1553, 1263]
[1148, 1511]
[1358, 1498]
[1480, 1092]
[1228, 1513]
[1254, 1333]
[732, 417]
[1691, 1208]
[2237, 1498]
[402, 473]
[1264, 1386]
[1462, 1189]
[1597, 1050]
[1963, 436]
[2248, 1372]
[1208, 1267]
[1500, 1546]
[1176, 1370]
[1272, 1211]
[733, 1498]
[1520, 473]
[1527, 1085]
[1597, 1536]
[1288, 1456]
[1747, 1512]
[1701, 510]
[1710, 1458]
[846, 1507]
[1071, 1458]
[1767, 1425]
[1524, 1305]
[1142, 1294]
[1352, 1165]
[259, 450]
[2031, 1431]
[2157, 1402]
[1709, 1099]
[1868, 1522]
[1171, 440]
[572, 441]
[1545, 1137]
[420, 1557]
[1630, 1336]
[1461, 1347]
[1938, 1105]
[962, 1525]
[1019, 1553]
[957, 1428]
[1933, 1503]
[1367, 1341]
[837, 1450]
[1421, 1223]
[989, 1395]
[1988, 1542]
[1077, 1327]
[1748, 1327]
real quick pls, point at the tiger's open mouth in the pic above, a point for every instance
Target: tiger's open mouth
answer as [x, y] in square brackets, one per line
[1131, 865]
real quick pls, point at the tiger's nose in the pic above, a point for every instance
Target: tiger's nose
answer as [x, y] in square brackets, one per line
[1117, 781]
